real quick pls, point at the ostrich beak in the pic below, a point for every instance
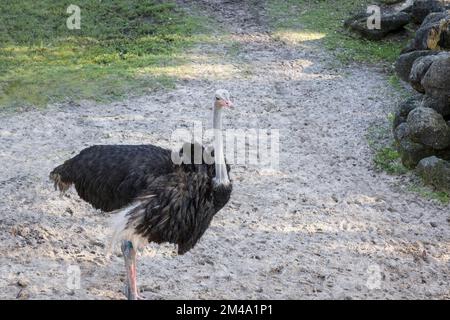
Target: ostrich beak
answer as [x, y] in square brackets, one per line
[229, 104]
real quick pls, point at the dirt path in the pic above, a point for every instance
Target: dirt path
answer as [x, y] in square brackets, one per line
[326, 225]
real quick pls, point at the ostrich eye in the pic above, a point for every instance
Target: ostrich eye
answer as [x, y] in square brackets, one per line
[217, 98]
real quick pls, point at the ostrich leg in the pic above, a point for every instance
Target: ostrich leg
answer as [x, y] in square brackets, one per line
[129, 255]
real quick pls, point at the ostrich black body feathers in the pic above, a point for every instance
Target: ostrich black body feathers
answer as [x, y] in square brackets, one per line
[162, 201]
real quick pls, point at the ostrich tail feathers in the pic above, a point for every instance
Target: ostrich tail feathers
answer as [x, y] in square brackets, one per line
[56, 177]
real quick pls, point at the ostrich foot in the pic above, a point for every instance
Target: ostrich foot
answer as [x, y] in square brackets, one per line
[132, 295]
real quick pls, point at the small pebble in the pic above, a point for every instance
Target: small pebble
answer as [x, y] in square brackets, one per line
[22, 283]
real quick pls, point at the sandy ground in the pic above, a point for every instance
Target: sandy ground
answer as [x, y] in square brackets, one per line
[325, 225]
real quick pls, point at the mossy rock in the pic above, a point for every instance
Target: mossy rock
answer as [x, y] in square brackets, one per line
[433, 34]
[412, 152]
[405, 62]
[389, 23]
[429, 128]
[404, 108]
[422, 8]
[436, 172]
[418, 71]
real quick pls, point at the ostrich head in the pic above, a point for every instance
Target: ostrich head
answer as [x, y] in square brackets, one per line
[222, 99]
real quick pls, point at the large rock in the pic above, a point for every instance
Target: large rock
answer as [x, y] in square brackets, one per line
[418, 71]
[438, 75]
[436, 83]
[412, 153]
[434, 18]
[401, 132]
[436, 172]
[389, 23]
[429, 128]
[422, 8]
[404, 108]
[405, 62]
[440, 103]
[433, 34]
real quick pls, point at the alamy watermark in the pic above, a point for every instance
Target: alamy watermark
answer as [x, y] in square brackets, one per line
[73, 281]
[73, 22]
[255, 147]
[374, 277]
[374, 18]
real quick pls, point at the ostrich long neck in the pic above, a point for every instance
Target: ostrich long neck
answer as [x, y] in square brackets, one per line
[219, 159]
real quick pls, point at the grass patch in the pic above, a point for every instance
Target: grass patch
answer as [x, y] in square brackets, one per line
[42, 61]
[388, 160]
[428, 193]
[399, 87]
[394, 81]
[386, 156]
[324, 19]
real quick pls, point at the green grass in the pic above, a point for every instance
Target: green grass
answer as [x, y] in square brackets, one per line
[324, 19]
[386, 156]
[428, 193]
[394, 81]
[111, 56]
[388, 160]
[399, 87]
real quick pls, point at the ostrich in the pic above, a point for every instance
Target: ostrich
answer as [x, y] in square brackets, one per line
[154, 199]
